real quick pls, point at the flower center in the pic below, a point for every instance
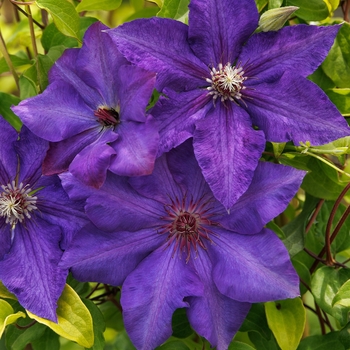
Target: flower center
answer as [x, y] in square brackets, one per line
[16, 203]
[187, 225]
[107, 116]
[226, 82]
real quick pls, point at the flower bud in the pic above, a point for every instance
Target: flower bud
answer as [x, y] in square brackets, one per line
[274, 19]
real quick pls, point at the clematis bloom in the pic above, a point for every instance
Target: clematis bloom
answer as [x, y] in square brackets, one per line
[93, 112]
[170, 244]
[222, 83]
[37, 220]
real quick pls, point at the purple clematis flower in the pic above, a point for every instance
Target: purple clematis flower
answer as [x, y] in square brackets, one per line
[93, 112]
[37, 219]
[223, 83]
[171, 244]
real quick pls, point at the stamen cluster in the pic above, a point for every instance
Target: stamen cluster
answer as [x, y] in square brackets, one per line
[16, 203]
[188, 225]
[107, 116]
[226, 82]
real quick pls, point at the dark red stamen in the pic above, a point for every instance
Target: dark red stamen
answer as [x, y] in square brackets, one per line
[107, 116]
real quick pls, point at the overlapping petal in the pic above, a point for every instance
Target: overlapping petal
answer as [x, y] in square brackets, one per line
[213, 315]
[254, 268]
[30, 269]
[227, 150]
[152, 292]
[272, 188]
[284, 111]
[95, 255]
[211, 28]
[160, 45]
[298, 49]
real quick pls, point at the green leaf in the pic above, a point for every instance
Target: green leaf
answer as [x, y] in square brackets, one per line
[337, 63]
[275, 228]
[295, 229]
[286, 319]
[322, 342]
[341, 98]
[159, 3]
[53, 37]
[260, 4]
[17, 61]
[237, 345]
[174, 345]
[7, 315]
[344, 336]
[23, 337]
[95, 5]
[275, 4]
[261, 343]
[181, 326]
[74, 319]
[48, 340]
[303, 272]
[6, 101]
[28, 83]
[173, 9]
[4, 293]
[325, 284]
[310, 10]
[64, 16]
[278, 148]
[343, 296]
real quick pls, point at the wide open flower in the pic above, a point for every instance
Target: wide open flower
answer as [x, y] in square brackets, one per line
[171, 244]
[227, 80]
[37, 219]
[93, 111]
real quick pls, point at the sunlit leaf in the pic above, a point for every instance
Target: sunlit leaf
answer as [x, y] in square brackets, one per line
[343, 295]
[286, 319]
[174, 8]
[64, 15]
[237, 345]
[310, 10]
[7, 315]
[99, 325]
[4, 293]
[74, 319]
[92, 5]
[341, 98]
[6, 101]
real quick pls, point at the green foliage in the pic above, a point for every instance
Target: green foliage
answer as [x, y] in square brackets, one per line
[91, 5]
[311, 10]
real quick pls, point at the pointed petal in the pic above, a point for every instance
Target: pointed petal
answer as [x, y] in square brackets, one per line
[30, 270]
[8, 157]
[136, 148]
[213, 315]
[134, 92]
[62, 153]
[259, 263]
[95, 255]
[91, 164]
[176, 115]
[299, 49]
[98, 62]
[152, 293]
[56, 114]
[272, 188]
[31, 151]
[218, 29]
[296, 109]
[160, 45]
[5, 238]
[227, 149]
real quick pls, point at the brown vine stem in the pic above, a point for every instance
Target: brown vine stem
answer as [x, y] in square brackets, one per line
[3, 50]
[25, 13]
[330, 238]
[346, 8]
[320, 319]
[32, 32]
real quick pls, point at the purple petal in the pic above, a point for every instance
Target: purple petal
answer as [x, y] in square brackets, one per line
[176, 116]
[213, 315]
[31, 151]
[116, 206]
[67, 62]
[259, 263]
[299, 49]
[218, 29]
[62, 153]
[136, 148]
[91, 164]
[30, 270]
[227, 149]
[5, 238]
[160, 45]
[56, 114]
[98, 256]
[8, 157]
[152, 293]
[296, 109]
[134, 92]
[98, 62]
[272, 188]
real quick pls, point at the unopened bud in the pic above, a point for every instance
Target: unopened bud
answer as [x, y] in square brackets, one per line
[274, 19]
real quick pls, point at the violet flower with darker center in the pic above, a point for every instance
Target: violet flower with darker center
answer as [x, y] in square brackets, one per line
[170, 244]
[101, 102]
[222, 81]
[37, 220]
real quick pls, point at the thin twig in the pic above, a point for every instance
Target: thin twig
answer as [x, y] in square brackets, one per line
[314, 215]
